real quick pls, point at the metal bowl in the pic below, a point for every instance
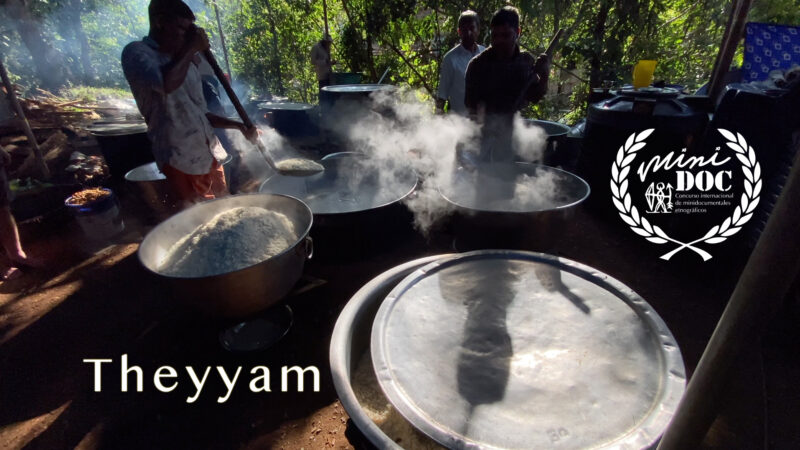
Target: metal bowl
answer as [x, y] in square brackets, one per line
[242, 292]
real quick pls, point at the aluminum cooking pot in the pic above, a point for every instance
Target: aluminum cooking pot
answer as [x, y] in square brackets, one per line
[556, 136]
[149, 185]
[242, 292]
[351, 185]
[513, 205]
[355, 204]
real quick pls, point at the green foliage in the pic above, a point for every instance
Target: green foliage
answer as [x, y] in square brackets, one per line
[269, 41]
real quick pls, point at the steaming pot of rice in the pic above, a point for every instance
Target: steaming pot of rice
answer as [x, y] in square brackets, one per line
[232, 256]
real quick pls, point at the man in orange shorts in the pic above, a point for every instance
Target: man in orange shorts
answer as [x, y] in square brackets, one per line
[162, 71]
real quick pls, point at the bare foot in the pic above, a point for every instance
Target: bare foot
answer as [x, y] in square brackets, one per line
[27, 261]
[12, 273]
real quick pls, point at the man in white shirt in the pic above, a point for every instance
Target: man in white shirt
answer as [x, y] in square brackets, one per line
[454, 65]
[162, 72]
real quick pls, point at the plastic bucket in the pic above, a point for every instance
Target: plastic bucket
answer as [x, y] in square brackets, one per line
[98, 219]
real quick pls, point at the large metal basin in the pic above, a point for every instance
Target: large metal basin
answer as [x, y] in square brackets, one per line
[498, 205]
[149, 185]
[351, 340]
[242, 292]
[356, 205]
[566, 283]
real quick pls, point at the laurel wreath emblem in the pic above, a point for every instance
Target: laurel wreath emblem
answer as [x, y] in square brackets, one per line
[653, 233]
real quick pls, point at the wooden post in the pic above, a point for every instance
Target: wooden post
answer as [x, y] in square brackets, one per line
[761, 289]
[26, 127]
[733, 34]
[325, 15]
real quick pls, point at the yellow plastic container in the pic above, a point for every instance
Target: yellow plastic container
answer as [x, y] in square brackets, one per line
[643, 73]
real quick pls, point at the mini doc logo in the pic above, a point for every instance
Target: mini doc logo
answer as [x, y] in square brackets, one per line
[691, 193]
[657, 200]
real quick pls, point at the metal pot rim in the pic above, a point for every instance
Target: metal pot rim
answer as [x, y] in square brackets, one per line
[336, 155]
[301, 236]
[523, 213]
[341, 360]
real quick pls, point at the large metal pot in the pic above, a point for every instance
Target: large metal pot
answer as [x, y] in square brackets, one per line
[356, 204]
[351, 340]
[241, 292]
[289, 119]
[346, 104]
[556, 137]
[499, 205]
[124, 144]
[580, 302]
[149, 186]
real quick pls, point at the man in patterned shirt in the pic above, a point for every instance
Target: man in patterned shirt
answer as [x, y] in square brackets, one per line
[162, 72]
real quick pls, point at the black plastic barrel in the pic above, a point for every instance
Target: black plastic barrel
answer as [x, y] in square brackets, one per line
[766, 119]
[610, 122]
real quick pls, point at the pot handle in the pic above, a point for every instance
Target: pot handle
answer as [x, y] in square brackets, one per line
[308, 247]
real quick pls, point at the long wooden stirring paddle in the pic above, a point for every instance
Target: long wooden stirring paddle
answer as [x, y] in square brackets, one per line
[297, 167]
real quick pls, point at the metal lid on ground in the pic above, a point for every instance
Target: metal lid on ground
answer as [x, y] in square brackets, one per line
[502, 349]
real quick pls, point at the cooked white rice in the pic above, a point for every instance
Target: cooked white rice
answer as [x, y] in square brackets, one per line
[232, 240]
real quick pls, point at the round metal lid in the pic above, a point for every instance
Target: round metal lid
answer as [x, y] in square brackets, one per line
[358, 87]
[145, 172]
[502, 349]
[651, 92]
[110, 128]
[285, 106]
[514, 188]
[351, 182]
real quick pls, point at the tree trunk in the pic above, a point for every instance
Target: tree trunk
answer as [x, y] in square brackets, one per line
[277, 55]
[370, 58]
[595, 77]
[73, 14]
[48, 60]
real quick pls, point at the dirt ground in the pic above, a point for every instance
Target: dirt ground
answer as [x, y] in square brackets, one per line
[94, 300]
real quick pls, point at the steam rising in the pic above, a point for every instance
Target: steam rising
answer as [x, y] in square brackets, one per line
[399, 128]
[399, 134]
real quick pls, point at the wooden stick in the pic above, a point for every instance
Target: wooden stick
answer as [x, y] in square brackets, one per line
[26, 127]
[222, 40]
[534, 78]
[228, 89]
[758, 295]
[728, 48]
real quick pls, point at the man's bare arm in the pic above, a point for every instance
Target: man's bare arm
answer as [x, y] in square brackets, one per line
[223, 122]
[174, 72]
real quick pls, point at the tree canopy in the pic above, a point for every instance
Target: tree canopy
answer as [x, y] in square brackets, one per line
[56, 43]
